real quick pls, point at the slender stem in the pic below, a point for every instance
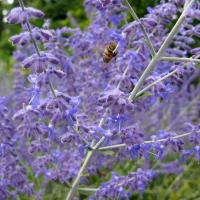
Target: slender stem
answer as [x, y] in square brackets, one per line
[135, 17]
[76, 130]
[99, 142]
[158, 55]
[21, 3]
[155, 82]
[77, 179]
[186, 3]
[183, 111]
[111, 147]
[90, 153]
[169, 74]
[117, 146]
[52, 89]
[72, 20]
[115, 50]
[88, 189]
[86, 161]
[123, 76]
[101, 125]
[176, 59]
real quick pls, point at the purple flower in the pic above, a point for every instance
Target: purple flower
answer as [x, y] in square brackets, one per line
[21, 39]
[132, 136]
[118, 185]
[17, 180]
[105, 2]
[197, 153]
[17, 15]
[25, 37]
[39, 63]
[49, 122]
[3, 194]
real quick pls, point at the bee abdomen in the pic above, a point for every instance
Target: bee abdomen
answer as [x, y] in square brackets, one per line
[107, 56]
[108, 52]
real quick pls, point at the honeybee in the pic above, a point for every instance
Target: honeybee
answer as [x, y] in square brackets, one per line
[108, 53]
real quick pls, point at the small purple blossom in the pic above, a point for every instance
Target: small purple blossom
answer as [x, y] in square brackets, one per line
[132, 136]
[18, 16]
[115, 188]
[39, 63]
[25, 37]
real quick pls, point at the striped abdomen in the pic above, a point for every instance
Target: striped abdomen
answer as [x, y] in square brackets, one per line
[108, 53]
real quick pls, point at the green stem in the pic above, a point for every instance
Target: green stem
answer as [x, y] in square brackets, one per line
[135, 17]
[77, 179]
[156, 82]
[92, 151]
[176, 59]
[123, 76]
[117, 146]
[89, 154]
[88, 189]
[158, 55]
[86, 161]
[183, 111]
[52, 89]
[21, 3]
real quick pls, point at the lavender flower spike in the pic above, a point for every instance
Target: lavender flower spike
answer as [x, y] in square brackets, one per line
[20, 16]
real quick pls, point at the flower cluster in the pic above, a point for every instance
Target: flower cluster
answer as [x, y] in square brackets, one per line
[120, 187]
[72, 104]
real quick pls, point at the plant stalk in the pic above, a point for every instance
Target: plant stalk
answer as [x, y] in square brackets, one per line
[92, 150]
[155, 82]
[135, 17]
[176, 59]
[117, 146]
[158, 55]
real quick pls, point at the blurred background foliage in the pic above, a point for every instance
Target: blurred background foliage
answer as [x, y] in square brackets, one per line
[186, 186]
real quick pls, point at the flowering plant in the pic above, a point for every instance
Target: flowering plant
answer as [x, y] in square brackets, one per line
[74, 115]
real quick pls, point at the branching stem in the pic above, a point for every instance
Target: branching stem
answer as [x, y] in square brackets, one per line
[156, 82]
[176, 59]
[118, 146]
[90, 153]
[158, 55]
[149, 68]
[135, 17]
